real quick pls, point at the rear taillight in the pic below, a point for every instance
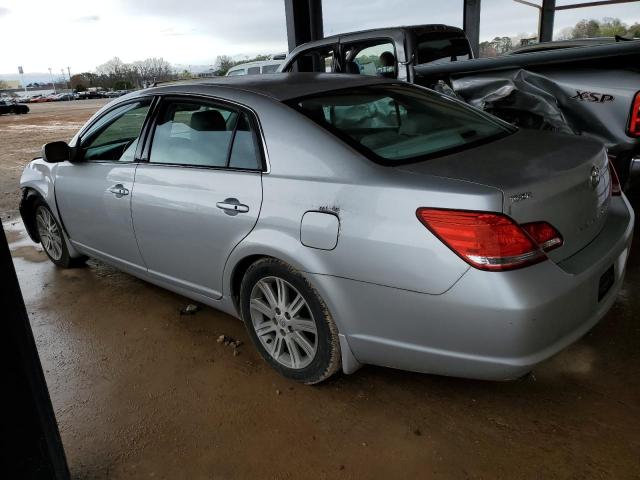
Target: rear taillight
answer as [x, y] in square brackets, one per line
[616, 189]
[544, 235]
[634, 119]
[490, 241]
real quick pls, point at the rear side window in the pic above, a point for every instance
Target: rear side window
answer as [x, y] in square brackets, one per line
[270, 68]
[394, 124]
[202, 134]
[253, 70]
[244, 153]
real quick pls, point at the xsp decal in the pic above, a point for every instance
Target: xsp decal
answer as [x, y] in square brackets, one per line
[593, 97]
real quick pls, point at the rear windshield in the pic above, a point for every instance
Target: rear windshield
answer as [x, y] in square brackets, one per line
[394, 124]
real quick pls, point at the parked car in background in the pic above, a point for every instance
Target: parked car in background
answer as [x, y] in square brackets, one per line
[347, 219]
[255, 68]
[59, 97]
[10, 106]
[590, 91]
[91, 94]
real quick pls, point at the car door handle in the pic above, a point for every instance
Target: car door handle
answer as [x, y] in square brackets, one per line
[118, 190]
[232, 206]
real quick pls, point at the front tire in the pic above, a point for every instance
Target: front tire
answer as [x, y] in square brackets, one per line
[288, 322]
[52, 240]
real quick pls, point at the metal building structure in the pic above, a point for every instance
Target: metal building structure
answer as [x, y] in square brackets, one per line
[304, 19]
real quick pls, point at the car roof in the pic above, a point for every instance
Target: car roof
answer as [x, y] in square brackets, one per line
[257, 63]
[422, 28]
[279, 86]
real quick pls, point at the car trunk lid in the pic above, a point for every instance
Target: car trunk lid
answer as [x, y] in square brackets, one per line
[560, 179]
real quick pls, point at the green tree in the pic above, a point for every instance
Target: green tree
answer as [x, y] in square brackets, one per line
[586, 29]
[633, 31]
[610, 27]
[223, 64]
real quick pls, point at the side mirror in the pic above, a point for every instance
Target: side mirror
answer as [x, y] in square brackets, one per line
[56, 152]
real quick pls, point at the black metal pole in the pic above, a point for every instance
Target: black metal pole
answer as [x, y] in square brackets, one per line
[471, 24]
[547, 16]
[304, 21]
[30, 447]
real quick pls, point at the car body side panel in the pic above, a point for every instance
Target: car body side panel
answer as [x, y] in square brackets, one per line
[312, 170]
[183, 236]
[38, 176]
[97, 220]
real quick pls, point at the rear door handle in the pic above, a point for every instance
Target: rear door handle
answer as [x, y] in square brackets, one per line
[232, 206]
[118, 190]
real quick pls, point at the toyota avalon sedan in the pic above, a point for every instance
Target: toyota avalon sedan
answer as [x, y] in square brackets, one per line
[347, 220]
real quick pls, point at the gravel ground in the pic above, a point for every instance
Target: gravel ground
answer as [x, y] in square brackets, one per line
[22, 137]
[141, 391]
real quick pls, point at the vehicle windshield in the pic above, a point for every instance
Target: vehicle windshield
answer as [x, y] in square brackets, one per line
[395, 124]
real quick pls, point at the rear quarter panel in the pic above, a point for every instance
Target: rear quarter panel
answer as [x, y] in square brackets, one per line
[597, 102]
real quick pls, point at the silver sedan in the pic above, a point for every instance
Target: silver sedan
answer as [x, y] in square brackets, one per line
[346, 220]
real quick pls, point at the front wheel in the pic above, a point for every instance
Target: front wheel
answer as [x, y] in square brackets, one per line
[288, 322]
[51, 238]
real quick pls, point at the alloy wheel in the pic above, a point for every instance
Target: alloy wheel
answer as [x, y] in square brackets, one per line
[50, 235]
[283, 322]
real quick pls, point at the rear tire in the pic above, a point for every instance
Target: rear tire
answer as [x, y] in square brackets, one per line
[52, 239]
[289, 323]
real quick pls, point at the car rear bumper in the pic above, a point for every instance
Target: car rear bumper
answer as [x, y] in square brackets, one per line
[489, 325]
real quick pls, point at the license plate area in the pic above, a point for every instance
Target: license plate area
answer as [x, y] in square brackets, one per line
[606, 282]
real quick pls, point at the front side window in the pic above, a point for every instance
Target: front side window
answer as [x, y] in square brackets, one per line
[114, 137]
[394, 124]
[253, 70]
[240, 71]
[203, 134]
[371, 59]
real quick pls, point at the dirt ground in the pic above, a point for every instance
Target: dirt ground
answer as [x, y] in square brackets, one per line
[143, 392]
[22, 137]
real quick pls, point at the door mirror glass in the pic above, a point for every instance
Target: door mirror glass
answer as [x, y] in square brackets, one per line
[56, 152]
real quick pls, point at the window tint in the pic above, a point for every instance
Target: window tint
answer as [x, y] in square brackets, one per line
[396, 124]
[115, 136]
[244, 153]
[316, 60]
[270, 68]
[201, 134]
[253, 70]
[367, 59]
[442, 47]
[191, 133]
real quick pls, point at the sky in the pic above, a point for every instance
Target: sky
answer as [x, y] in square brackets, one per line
[81, 34]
